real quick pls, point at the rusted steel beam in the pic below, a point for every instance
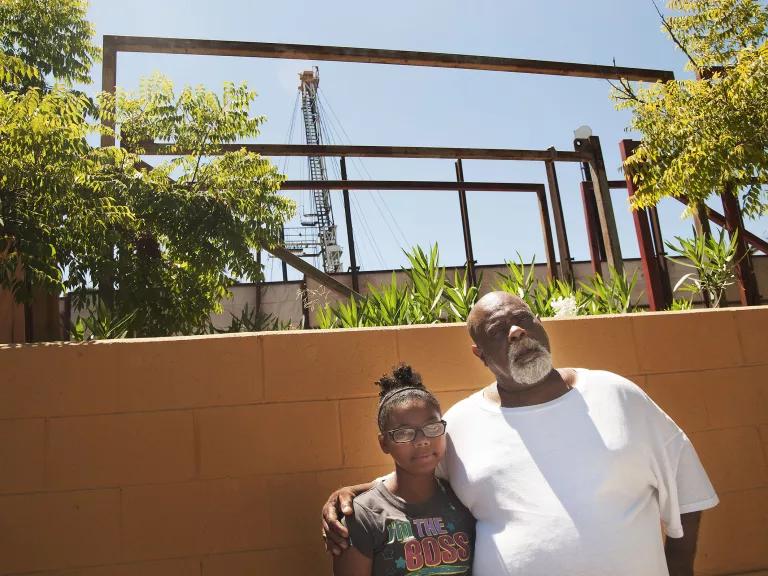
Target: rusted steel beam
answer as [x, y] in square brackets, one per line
[546, 229]
[648, 260]
[350, 232]
[154, 45]
[602, 192]
[308, 270]
[468, 252]
[159, 149]
[593, 226]
[661, 259]
[745, 273]
[108, 84]
[755, 241]
[566, 268]
[409, 185]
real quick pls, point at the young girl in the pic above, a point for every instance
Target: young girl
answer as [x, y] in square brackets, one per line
[411, 523]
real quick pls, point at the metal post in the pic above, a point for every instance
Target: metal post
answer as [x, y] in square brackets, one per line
[745, 273]
[594, 222]
[304, 302]
[661, 259]
[593, 230]
[350, 235]
[108, 84]
[648, 259]
[469, 254]
[566, 268]
[546, 228]
[701, 220]
[67, 319]
[604, 205]
[283, 262]
[258, 282]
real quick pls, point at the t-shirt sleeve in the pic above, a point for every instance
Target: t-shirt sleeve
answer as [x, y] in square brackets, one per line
[361, 528]
[683, 485]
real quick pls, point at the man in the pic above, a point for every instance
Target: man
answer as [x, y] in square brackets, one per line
[568, 471]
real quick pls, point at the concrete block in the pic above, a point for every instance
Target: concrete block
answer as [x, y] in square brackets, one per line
[192, 372]
[22, 455]
[691, 340]
[295, 501]
[326, 364]
[583, 343]
[736, 397]
[733, 458]
[48, 531]
[175, 567]
[178, 520]
[58, 379]
[359, 433]
[751, 324]
[443, 356]
[291, 561]
[269, 439]
[733, 536]
[120, 450]
[681, 395]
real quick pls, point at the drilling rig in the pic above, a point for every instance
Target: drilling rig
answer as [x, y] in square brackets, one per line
[317, 236]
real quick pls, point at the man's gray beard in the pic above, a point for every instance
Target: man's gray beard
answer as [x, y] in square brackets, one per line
[533, 371]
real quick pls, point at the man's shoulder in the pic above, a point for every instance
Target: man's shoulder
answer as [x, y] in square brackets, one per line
[464, 406]
[603, 380]
[603, 389]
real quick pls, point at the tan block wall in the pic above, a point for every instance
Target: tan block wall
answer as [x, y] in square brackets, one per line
[211, 456]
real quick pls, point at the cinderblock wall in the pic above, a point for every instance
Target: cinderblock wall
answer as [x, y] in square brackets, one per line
[211, 456]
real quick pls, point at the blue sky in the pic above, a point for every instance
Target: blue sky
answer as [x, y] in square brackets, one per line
[394, 105]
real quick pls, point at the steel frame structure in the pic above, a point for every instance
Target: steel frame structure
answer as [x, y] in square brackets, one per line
[585, 151]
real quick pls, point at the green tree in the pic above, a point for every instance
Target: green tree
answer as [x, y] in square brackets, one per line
[53, 38]
[196, 219]
[710, 134]
[161, 244]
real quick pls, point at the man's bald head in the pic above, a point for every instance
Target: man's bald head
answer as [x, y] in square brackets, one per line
[486, 306]
[510, 340]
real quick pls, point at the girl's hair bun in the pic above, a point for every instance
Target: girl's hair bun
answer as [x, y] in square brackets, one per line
[402, 376]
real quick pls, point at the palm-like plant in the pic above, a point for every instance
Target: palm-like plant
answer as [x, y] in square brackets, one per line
[713, 261]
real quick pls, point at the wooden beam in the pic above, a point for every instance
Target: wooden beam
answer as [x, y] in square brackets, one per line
[154, 45]
[315, 273]
[408, 185]
[159, 149]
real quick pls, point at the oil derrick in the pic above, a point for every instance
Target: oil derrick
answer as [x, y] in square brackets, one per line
[317, 237]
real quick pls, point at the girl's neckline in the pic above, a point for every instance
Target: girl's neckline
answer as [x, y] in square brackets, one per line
[402, 504]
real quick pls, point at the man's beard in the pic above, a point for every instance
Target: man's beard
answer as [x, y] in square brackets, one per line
[535, 368]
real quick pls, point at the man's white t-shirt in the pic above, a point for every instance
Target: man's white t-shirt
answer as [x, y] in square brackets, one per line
[575, 486]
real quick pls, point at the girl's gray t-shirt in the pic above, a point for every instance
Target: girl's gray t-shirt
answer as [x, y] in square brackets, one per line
[435, 537]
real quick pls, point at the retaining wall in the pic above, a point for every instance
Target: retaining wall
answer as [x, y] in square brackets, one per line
[211, 456]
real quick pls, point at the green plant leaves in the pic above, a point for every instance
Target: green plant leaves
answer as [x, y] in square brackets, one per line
[707, 136]
[426, 298]
[713, 260]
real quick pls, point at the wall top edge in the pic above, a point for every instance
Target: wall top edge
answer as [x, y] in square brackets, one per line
[453, 325]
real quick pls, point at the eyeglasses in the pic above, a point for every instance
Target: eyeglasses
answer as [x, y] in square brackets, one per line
[407, 434]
